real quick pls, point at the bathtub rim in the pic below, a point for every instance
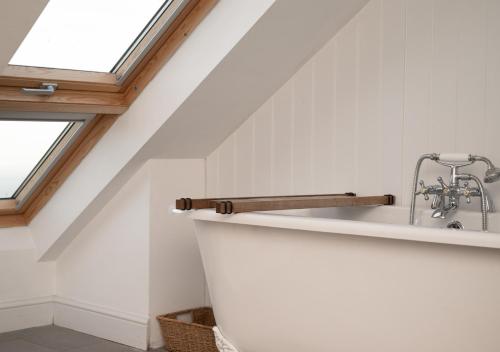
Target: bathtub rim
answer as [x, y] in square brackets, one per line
[355, 228]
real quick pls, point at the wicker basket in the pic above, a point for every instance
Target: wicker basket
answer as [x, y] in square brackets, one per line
[197, 336]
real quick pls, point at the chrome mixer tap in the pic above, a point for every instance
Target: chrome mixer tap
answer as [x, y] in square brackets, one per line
[446, 197]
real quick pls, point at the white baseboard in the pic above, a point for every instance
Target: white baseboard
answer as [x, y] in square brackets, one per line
[122, 327]
[125, 328]
[26, 313]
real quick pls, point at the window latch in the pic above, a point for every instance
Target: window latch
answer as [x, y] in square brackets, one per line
[45, 89]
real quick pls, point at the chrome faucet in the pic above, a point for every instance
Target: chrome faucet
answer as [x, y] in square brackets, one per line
[447, 197]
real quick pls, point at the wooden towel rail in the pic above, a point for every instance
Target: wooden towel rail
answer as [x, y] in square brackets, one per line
[210, 203]
[248, 204]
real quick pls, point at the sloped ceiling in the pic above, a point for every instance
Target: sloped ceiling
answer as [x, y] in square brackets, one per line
[16, 19]
[288, 34]
[238, 57]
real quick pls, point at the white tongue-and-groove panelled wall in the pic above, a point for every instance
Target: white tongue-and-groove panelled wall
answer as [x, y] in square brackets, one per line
[402, 78]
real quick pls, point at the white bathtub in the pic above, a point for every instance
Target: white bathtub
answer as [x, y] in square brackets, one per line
[312, 281]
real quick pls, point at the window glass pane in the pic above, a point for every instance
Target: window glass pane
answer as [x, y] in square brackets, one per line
[22, 145]
[88, 35]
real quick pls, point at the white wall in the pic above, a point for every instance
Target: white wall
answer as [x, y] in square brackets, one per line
[401, 79]
[103, 276]
[135, 260]
[108, 264]
[177, 280]
[26, 286]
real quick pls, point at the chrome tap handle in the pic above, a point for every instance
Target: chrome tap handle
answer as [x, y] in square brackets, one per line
[445, 188]
[423, 190]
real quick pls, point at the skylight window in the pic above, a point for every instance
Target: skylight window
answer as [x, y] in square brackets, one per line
[87, 35]
[24, 145]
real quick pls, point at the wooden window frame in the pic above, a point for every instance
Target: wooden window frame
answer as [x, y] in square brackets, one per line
[105, 94]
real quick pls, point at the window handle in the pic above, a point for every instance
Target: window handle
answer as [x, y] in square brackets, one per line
[45, 89]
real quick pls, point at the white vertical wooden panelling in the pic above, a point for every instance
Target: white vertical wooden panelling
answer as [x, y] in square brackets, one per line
[226, 167]
[369, 121]
[493, 78]
[402, 78]
[492, 132]
[244, 150]
[417, 86]
[263, 147]
[345, 109]
[282, 140]
[443, 98]
[444, 76]
[323, 175]
[392, 95]
[472, 80]
[471, 83]
[212, 174]
[302, 122]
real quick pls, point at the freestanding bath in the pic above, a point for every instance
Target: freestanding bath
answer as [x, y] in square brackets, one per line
[357, 280]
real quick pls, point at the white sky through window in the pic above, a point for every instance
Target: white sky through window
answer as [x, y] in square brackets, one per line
[87, 35]
[22, 146]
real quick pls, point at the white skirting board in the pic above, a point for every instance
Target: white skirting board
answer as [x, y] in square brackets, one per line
[125, 328]
[26, 313]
